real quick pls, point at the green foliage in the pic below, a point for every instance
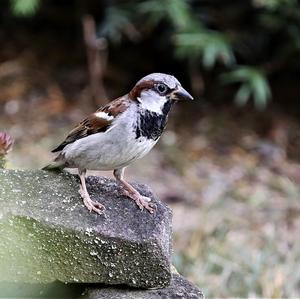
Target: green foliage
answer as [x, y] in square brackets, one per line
[253, 83]
[274, 4]
[211, 35]
[116, 20]
[177, 12]
[24, 8]
[192, 41]
[212, 46]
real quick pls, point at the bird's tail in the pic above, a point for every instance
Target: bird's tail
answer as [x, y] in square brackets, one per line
[57, 165]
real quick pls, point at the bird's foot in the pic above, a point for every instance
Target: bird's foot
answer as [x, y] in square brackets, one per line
[141, 201]
[90, 204]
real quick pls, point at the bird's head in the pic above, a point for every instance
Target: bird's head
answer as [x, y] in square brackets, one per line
[157, 90]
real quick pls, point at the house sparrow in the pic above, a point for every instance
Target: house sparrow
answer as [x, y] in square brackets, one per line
[119, 133]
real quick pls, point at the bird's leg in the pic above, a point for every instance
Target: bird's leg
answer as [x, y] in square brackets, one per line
[140, 200]
[90, 204]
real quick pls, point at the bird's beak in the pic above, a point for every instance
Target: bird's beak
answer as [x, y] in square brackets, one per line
[180, 94]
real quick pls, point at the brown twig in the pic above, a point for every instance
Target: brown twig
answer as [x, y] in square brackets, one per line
[96, 49]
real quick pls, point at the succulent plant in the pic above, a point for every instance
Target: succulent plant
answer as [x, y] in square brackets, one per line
[6, 143]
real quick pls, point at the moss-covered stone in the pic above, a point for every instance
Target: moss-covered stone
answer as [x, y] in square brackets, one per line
[47, 234]
[54, 290]
[179, 288]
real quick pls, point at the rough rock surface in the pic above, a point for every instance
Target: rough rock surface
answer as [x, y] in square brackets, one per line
[179, 288]
[47, 234]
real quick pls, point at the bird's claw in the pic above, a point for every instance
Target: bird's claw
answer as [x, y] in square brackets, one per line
[144, 202]
[94, 206]
[141, 201]
[90, 204]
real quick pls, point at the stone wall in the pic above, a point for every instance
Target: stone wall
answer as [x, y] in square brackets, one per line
[48, 236]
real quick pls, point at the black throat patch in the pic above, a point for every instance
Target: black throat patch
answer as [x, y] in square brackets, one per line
[151, 124]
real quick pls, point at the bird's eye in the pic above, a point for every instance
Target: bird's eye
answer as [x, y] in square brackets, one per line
[161, 88]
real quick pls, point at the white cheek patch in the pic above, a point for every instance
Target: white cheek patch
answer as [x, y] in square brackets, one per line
[152, 101]
[104, 115]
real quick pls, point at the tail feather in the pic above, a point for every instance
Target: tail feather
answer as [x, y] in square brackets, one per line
[54, 166]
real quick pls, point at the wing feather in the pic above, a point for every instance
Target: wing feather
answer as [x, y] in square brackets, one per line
[96, 122]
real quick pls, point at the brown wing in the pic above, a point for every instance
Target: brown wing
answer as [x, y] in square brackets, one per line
[96, 123]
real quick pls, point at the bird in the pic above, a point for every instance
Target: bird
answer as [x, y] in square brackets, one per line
[119, 133]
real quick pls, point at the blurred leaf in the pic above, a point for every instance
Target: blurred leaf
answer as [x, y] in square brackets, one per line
[274, 4]
[25, 8]
[211, 45]
[115, 20]
[243, 94]
[176, 11]
[254, 83]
